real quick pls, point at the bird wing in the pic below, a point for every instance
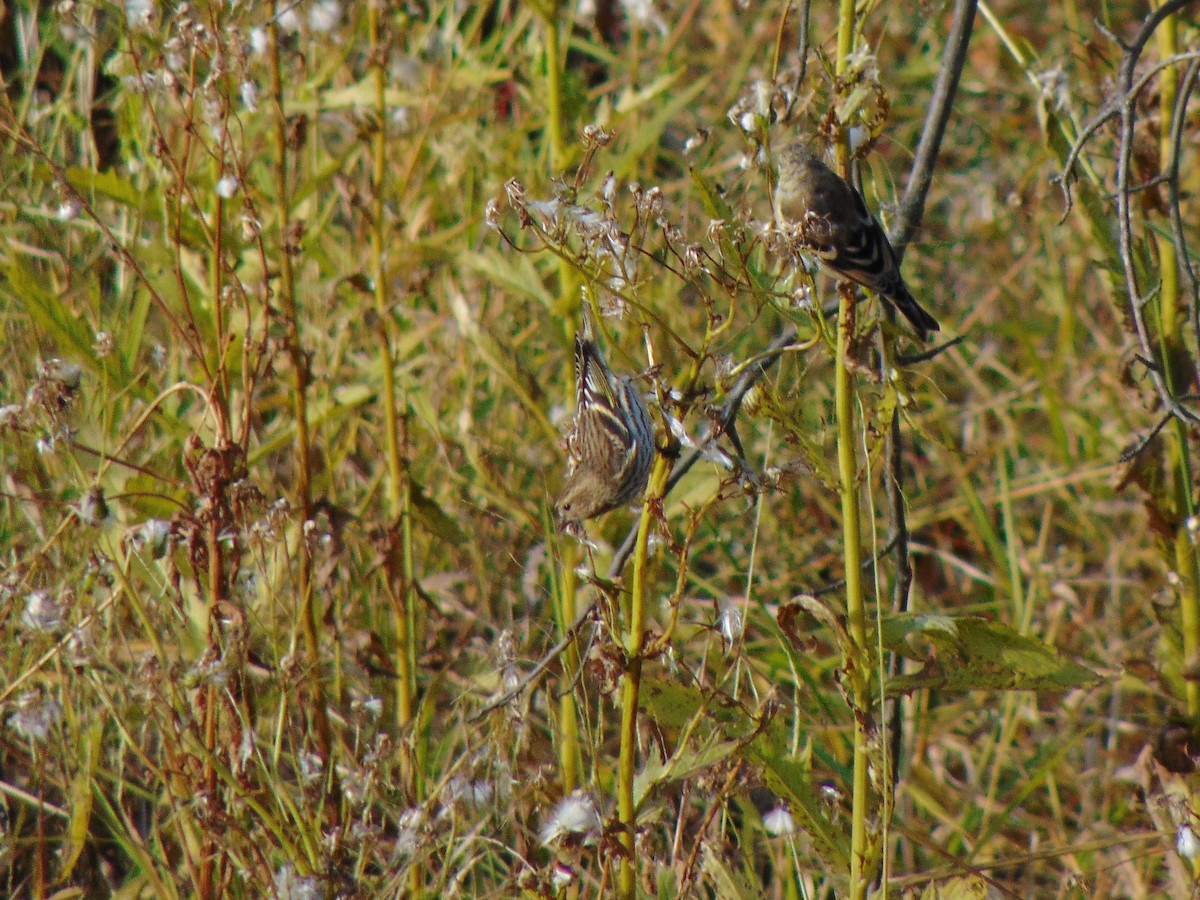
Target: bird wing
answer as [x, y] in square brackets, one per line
[855, 246]
[601, 439]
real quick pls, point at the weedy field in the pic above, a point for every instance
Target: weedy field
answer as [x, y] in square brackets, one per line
[290, 296]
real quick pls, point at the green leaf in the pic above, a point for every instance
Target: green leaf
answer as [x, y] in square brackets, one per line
[81, 800]
[789, 778]
[970, 653]
[682, 766]
[147, 202]
[107, 184]
[631, 99]
[69, 332]
[728, 884]
[670, 704]
[645, 140]
[435, 519]
[503, 363]
[675, 705]
[965, 888]
[147, 497]
[317, 179]
[362, 94]
[131, 333]
[714, 204]
[512, 271]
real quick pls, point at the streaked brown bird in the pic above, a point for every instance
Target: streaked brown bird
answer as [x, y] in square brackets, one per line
[832, 220]
[610, 447]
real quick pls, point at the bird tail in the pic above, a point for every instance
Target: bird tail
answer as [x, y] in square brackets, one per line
[922, 322]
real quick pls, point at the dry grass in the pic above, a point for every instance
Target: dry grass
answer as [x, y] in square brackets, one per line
[282, 403]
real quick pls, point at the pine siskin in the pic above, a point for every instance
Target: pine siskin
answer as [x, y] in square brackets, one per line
[832, 219]
[611, 443]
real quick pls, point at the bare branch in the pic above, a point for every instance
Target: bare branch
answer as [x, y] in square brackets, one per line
[1128, 110]
[912, 211]
[1179, 116]
[912, 207]
[572, 634]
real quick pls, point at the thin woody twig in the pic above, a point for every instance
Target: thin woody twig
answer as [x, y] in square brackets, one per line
[1124, 216]
[588, 615]
[1107, 112]
[941, 102]
[909, 359]
[1184, 259]
[912, 211]
[802, 45]
[867, 563]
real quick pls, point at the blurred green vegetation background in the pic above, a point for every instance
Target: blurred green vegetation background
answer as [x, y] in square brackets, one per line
[288, 296]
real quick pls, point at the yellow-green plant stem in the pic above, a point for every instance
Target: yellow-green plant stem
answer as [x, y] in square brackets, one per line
[845, 48]
[1173, 350]
[569, 759]
[395, 465]
[548, 12]
[405, 611]
[858, 668]
[635, 636]
[395, 484]
[568, 722]
[398, 487]
[299, 366]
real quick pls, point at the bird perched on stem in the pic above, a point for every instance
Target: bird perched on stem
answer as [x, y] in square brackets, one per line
[610, 447]
[831, 219]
